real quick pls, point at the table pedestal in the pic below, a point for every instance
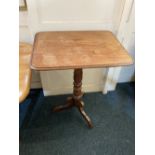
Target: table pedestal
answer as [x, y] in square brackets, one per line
[76, 99]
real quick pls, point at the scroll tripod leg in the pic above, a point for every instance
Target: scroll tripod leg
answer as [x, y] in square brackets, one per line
[77, 95]
[68, 105]
[85, 116]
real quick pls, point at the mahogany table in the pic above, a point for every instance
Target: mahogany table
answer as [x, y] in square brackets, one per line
[77, 50]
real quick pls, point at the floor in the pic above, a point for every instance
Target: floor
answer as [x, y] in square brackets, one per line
[66, 133]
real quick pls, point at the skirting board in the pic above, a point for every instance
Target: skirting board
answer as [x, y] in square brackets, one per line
[69, 90]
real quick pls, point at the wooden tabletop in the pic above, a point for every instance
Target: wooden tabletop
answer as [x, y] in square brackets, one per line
[25, 51]
[77, 49]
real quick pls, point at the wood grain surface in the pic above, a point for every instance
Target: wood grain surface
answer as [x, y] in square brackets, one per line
[77, 49]
[25, 51]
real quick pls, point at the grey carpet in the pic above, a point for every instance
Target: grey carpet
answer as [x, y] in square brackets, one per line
[66, 133]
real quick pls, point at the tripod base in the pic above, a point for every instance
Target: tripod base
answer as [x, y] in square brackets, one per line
[76, 99]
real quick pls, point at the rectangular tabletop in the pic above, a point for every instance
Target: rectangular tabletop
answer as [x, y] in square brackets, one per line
[77, 49]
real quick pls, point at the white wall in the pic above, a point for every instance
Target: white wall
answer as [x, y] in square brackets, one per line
[24, 31]
[74, 15]
[61, 81]
[125, 34]
[127, 38]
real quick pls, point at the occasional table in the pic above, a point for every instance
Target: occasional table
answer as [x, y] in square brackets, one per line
[77, 50]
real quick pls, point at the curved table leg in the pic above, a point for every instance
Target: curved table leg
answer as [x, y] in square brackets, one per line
[68, 105]
[83, 113]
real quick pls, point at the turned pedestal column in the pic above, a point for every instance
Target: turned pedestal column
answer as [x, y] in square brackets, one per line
[76, 99]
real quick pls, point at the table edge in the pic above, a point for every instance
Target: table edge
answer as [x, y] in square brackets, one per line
[76, 67]
[32, 66]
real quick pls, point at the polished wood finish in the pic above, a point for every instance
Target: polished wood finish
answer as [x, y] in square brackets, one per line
[77, 50]
[83, 49]
[25, 51]
[75, 100]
